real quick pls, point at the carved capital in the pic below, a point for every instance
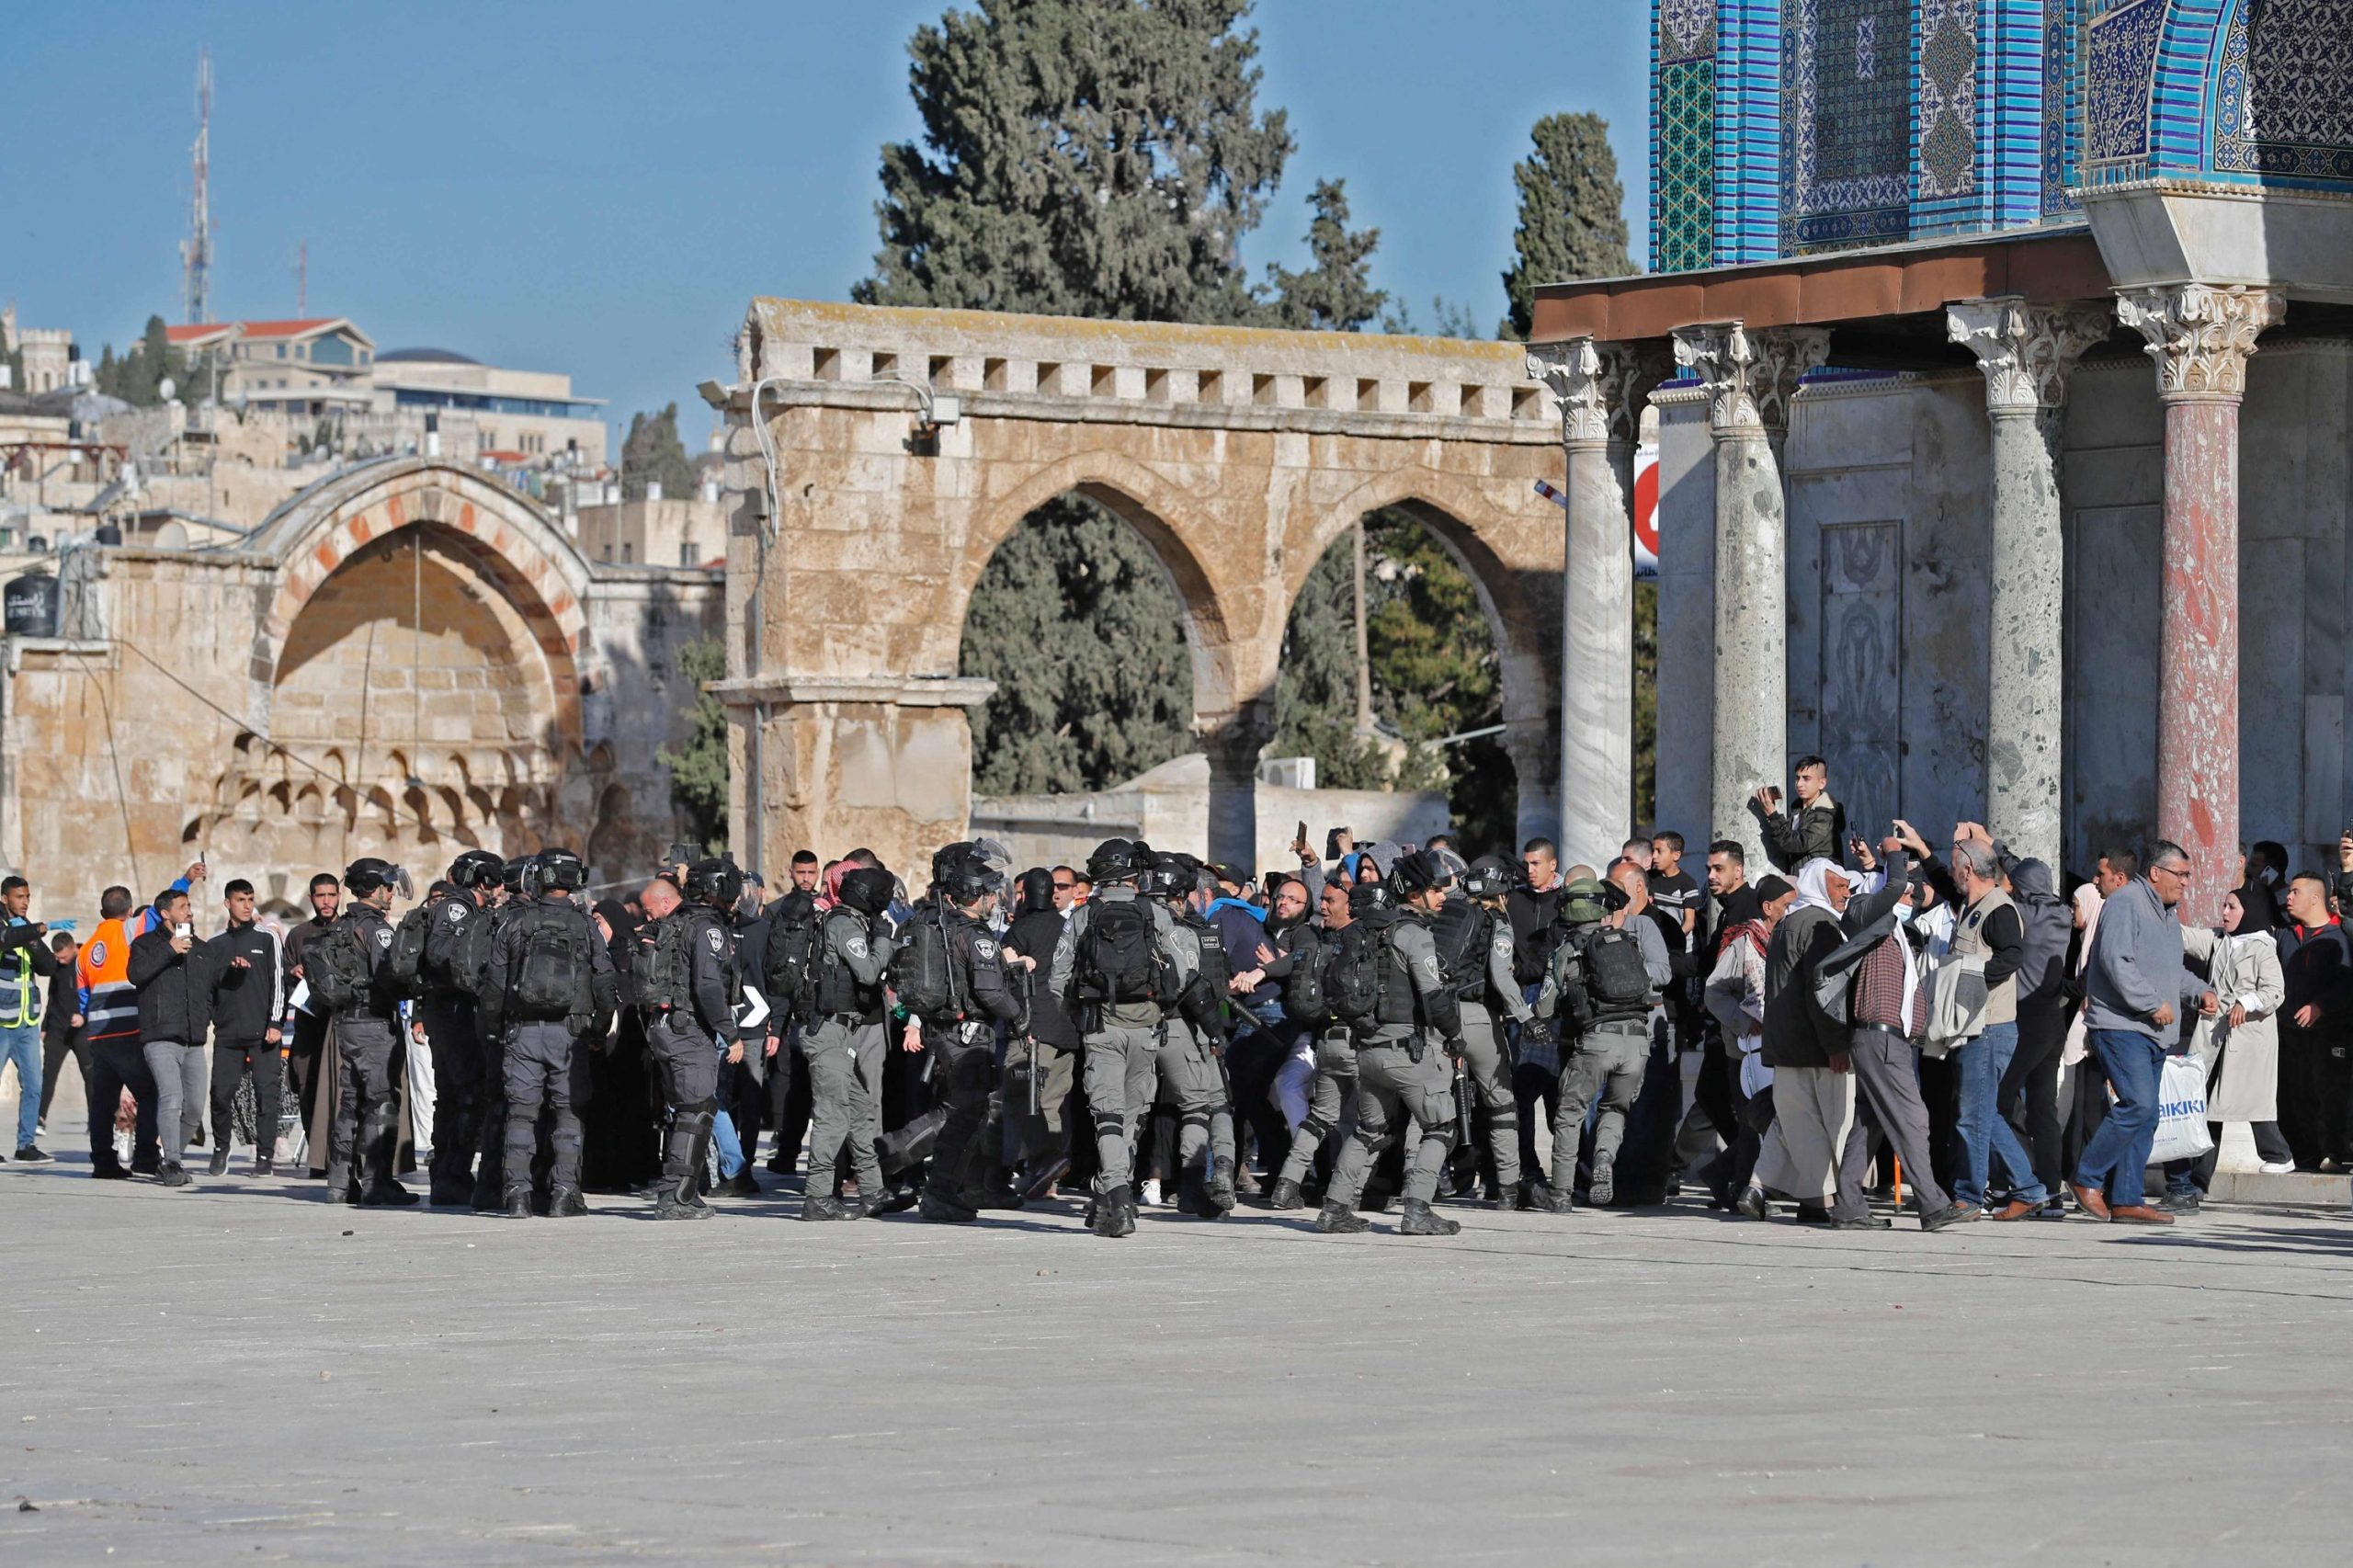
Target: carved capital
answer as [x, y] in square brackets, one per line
[1600, 386]
[2200, 335]
[2026, 351]
[1749, 376]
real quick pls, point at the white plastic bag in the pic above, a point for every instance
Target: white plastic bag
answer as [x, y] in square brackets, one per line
[2181, 1112]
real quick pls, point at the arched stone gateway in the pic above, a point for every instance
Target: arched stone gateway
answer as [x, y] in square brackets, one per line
[1238, 455]
[406, 659]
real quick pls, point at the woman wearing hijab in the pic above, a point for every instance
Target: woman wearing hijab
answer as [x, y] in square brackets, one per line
[2042, 993]
[2238, 1037]
[620, 1149]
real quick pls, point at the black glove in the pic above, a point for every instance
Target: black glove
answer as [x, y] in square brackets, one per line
[1538, 1032]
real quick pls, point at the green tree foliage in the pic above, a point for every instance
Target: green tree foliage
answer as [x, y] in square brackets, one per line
[138, 376]
[1336, 293]
[1572, 212]
[698, 771]
[1076, 622]
[1434, 673]
[652, 451]
[1646, 701]
[1080, 157]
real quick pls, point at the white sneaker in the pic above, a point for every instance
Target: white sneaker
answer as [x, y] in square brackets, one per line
[2277, 1167]
[1152, 1195]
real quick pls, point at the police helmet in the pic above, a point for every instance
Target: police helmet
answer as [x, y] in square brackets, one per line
[1583, 902]
[554, 870]
[964, 880]
[867, 889]
[1114, 861]
[1417, 873]
[366, 874]
[510, 875]
[1365, 897]
[1487, 878]
[948, 858]
[714, 881]
[475, 868]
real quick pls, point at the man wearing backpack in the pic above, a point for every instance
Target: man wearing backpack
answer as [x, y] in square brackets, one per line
[345, 969]
[1330, 1092]
[469, 961]
[1608, 966]
[548, 985]
[949, 973]
[1192, 1042]
[445, 984]
[843, 1046]
[1111, 968]
[1474, 946]
[686, 989]
[1386, 982]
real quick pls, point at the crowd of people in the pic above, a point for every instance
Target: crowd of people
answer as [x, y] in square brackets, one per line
[1874, 1026]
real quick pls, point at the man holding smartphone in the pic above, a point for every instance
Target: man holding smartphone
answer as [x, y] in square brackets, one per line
[176, 976]
[1816, 830]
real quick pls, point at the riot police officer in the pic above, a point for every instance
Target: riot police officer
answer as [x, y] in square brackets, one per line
[467, 962]
[1111, 968]
[1476, 953]
[1190, 1057]
[547, 988]
[688, 991]
[950, 976]
[346, 969]
[843, 1045]
[1401, 1073]
[445, 1008]
[1331, 1095]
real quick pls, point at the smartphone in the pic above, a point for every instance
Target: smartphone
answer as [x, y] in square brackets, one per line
[1332, 843]
[184, 929]
[1301, 836]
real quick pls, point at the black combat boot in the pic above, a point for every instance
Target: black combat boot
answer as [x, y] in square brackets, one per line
[567, 1204]
[1421, 1220]
[1547, 1200]
[942, 1210]
[519, 1203]
[823, 1206]
[1220, 1191]
[1115, 1215]
[340, 1187]
[1602, 1191]
[1284, 1194]
[1339, 1219]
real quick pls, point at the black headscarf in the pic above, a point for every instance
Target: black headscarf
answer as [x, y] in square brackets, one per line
[1037, 892]
[2261, 906]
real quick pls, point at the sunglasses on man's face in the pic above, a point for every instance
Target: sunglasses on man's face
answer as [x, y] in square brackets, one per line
[1066, 887]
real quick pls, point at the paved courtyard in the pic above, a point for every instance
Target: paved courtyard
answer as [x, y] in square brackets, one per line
[239, 1373]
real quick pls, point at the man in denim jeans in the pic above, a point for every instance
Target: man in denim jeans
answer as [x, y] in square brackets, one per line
[25, 964]
[1989, 928]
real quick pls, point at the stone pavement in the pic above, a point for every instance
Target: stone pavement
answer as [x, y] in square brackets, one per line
[238, 1373]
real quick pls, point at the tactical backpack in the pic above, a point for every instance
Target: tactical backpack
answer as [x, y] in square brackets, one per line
[1462, 933]
[660, 969]
[1118, 956]
[405, 961]
[335, 966]
[922, 968]
[549, 974]
[1611, 978]
[789, 965]
[1352, 975]
[1303, 999]
[449, 940]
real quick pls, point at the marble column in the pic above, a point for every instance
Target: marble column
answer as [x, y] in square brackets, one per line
[2026, 352]
[2201, 337]
[1600, 388]
[1749, 378]
[1232, 743]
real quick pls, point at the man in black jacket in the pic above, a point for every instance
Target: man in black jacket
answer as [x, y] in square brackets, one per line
[175, 975]
[248, 1012]
[1816, 830]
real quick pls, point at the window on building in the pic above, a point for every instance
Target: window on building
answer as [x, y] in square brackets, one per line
[686, 552]
[625, 553]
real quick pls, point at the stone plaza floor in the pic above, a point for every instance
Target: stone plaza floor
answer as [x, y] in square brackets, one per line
[238, 1373]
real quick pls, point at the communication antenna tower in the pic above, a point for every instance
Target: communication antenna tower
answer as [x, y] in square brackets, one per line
[196, 251]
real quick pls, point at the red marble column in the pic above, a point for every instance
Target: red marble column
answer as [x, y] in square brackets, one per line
[2201, 338]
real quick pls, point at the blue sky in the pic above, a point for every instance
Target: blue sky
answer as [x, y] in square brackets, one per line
[599, 188]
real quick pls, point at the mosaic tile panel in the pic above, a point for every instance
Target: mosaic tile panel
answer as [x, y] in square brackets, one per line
[1686, 30]
[2120, 52]
[1846, 142]
[2283, 93]
[1948, 97]
[1683, 167]
[2061, 25]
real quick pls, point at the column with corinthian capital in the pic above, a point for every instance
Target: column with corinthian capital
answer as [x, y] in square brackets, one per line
[1601, 387]
[2201, 337]
[1749, 378]
[2026, 352]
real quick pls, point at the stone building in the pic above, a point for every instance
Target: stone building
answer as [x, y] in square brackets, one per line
[2008, 469]
[406, 659]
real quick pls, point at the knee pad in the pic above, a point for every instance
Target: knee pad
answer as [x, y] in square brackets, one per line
[1371, 1143]
[1315, 1128]
[1109, 1125]
[1200, 1119]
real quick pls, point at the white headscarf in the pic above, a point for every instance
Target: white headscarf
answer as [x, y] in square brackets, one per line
[1813, 883]
[2087, 904]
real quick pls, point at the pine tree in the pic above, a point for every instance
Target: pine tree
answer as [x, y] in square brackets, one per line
[698, 771]
[1335, 294]
[1080, 157]
[652, 451]
[1572, 213]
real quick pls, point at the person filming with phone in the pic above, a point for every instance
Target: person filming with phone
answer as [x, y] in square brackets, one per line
[1816, 830]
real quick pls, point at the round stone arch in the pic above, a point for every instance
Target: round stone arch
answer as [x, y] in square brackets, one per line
[502, 535]
[1157, 511]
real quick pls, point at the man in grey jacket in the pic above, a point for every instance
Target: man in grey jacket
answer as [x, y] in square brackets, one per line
[2135, 992]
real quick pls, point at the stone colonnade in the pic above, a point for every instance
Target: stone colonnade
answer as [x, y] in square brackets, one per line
[2200, 336]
